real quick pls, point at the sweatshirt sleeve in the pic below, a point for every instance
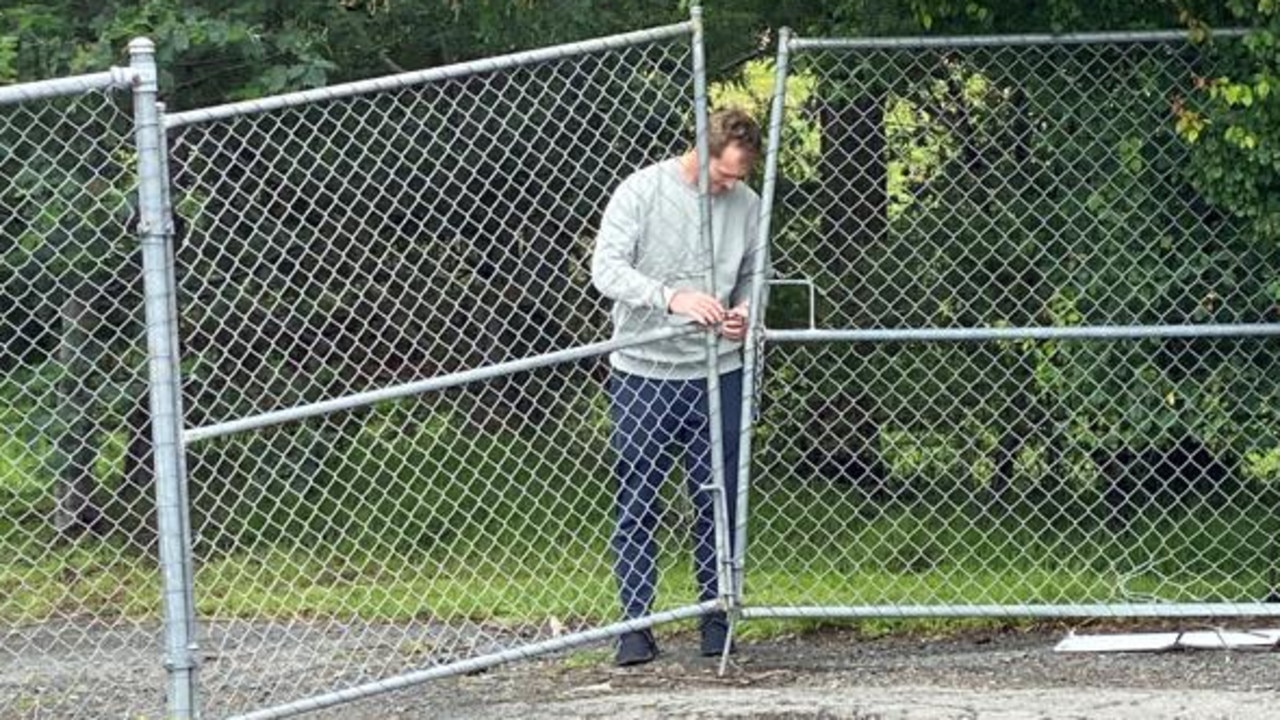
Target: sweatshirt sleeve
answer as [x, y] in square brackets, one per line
[613, 270]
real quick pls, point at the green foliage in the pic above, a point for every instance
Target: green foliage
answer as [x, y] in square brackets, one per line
[1232, 123]
[751, 89]
[211, 52]
[415, 514]
[70, 342]
[8, 59]
[919, 144]
[943, 17]
[398, 481]
[1014, 194]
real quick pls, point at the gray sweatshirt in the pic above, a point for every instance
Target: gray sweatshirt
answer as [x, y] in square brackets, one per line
[648, 248]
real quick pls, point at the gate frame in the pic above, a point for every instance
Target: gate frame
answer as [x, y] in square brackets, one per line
[789, 44]
[182, 673]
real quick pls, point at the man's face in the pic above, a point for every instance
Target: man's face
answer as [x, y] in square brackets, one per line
[731, 166]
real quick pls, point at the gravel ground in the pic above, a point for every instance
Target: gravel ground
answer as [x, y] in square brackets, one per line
[831, 673]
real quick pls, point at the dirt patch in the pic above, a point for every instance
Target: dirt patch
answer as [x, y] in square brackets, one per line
[841, 674]
[829, 673]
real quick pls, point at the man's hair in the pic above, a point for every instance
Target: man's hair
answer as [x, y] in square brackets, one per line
[729, 126]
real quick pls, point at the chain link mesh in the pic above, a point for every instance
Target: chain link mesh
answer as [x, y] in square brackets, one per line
[360, 242]
[1010, 186]
[75, 456]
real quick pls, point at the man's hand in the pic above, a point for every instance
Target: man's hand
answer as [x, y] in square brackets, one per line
[734, 326]
[703, 308]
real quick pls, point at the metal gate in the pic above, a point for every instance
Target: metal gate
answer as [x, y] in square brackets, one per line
[1019, 366]
[338, 246]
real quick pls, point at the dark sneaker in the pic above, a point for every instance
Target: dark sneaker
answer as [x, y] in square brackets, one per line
[636, 648]
[715, 633]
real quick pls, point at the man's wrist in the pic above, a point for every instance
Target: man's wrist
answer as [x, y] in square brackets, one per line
[668, 294]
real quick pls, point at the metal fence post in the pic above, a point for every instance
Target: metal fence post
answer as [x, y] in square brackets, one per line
[715, 417]
[155, 233]
[185, 499]
[751, 366]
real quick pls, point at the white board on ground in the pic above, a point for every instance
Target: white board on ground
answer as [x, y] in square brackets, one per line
[1164, 641]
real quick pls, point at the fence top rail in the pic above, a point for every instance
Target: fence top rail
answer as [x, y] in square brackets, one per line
[969, 41]
[429, 75]
[114, 78]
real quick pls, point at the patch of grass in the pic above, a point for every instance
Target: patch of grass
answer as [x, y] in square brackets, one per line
[595, 657]
[431, 519]
[293, 583]
[39, 583]
[20, 468]
[530, 580]
[772, 629]
[816, 545]
[446, 488]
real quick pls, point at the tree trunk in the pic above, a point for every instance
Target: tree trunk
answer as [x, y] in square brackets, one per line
[855, 220]
[853, 174]
[132, 509]
[77, 442]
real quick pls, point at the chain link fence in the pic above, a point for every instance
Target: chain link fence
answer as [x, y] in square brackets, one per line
[78, 582]
[1015, 364]
[436, 225]
[1046, 391]
[397, 454]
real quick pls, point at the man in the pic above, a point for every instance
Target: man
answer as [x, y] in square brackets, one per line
[650, 262]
